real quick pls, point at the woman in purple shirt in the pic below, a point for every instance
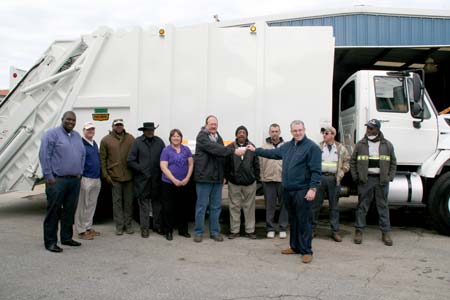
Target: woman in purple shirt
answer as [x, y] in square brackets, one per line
[177, 165]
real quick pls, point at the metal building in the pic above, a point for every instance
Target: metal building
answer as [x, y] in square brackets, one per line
[382, 38]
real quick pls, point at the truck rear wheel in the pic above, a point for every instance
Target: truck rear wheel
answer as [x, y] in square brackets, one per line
[439, 204]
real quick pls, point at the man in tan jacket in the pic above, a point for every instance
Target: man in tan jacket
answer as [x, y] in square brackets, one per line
[271, 180]
[114, 149]
[335, 163]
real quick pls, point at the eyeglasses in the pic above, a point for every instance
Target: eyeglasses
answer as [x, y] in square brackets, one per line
[326, 133]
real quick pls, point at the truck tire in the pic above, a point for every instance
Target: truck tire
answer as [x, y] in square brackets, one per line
[439, 204]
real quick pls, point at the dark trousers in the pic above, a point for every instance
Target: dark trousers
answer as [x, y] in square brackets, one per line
[148, 195]
[62, 198]
[273, 192]
[366, 193]
[329, 188]
[122, 199]
[300, 219]
[175, 208]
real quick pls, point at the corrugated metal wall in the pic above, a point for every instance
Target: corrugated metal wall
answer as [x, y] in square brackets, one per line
[380, 30]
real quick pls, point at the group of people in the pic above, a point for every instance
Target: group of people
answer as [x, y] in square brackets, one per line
[296, 175]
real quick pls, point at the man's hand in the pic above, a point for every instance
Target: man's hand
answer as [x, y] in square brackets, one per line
[240, 151]
[51, 181]
[184, 182]
[251, 148]
[310, 195]
[109, 181]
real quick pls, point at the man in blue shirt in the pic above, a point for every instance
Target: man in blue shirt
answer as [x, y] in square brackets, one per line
[90, 186]
[62, 156]
[302, 160]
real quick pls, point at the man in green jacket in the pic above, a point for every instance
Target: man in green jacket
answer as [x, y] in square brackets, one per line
[114, 149]
[373, 165]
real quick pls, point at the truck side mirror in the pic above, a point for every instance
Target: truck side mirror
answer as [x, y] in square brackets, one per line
[416, 109]
[417, 88]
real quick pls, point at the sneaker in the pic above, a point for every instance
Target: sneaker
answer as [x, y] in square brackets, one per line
[271, 234]
[217, 237]
[145, 233]
[129, 230]
[283, 234]
[198, 238]
[358, 237]
[387, 239]
[234, 235]
[307, 258]
[85, 236]
[336, 237]
[119, 231]
[251, 235]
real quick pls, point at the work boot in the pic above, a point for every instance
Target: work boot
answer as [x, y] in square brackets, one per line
[358, 237]
[85, 236]
[145, 233]
[119, 231]
[217, 237]
[251, 235]
[336, 237]
[93, 232]
[198, 238]
[129, 230]
[288, 251]
[307, 258]
[234, 235]
[387, 239]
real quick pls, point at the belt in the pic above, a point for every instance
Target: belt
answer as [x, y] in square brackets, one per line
[373, 175]
[68, 176]
[328, 174]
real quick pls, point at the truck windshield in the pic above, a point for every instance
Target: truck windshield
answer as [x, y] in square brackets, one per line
[390, 94]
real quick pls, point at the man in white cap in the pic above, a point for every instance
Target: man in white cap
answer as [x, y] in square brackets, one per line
[89, 187]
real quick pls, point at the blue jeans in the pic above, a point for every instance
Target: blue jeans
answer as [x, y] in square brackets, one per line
[208, 193]
[300, 218]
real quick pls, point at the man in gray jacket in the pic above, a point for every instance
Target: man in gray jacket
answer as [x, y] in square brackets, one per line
[271, 180]
[373, 165]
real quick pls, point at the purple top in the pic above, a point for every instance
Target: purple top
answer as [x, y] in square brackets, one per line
[177, 162]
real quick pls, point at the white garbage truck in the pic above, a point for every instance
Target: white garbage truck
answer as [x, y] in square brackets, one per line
[252, 76]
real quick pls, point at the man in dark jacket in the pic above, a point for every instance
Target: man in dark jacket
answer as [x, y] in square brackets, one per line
[242, 172]
[301, 174]
[373, 166]
[143, 159]
[209, 160]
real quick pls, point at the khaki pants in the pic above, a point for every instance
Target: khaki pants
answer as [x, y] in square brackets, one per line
[242, 196]
[87, 202]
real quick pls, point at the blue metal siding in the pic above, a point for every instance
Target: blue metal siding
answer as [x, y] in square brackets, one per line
[380, 30]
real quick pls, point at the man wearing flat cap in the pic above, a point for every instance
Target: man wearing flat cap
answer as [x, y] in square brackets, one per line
[143, 159]
[114, 149]
[373, 165]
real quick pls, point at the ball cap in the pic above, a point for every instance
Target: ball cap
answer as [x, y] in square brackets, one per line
[117, 121]
[88, 125]
[374, 123]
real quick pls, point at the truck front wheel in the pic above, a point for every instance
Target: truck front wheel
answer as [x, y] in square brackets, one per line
[439, 204]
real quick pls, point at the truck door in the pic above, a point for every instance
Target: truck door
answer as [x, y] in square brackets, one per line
[391, 106]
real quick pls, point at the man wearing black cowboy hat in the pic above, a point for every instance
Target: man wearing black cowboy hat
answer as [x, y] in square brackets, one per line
[143, 159]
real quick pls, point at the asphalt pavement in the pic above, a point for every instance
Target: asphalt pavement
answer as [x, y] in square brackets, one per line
[130, 267]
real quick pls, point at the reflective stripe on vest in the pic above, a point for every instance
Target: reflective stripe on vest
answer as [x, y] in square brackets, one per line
[374, 157]
[329, 166]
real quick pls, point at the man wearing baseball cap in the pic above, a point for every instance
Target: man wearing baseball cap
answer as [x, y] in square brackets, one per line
[114, 149]
[89, 186]
[373, 165]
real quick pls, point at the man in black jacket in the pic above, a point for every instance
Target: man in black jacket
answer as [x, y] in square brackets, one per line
[209, 160]
[373, 165]
[143, 159]
[242, 172]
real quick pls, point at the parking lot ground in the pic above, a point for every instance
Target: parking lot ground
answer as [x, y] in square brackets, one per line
[130, 267]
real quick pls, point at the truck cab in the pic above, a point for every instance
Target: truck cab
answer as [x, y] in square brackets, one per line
[421, 137]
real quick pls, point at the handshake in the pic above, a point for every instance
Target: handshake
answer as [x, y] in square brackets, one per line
[241, 150]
